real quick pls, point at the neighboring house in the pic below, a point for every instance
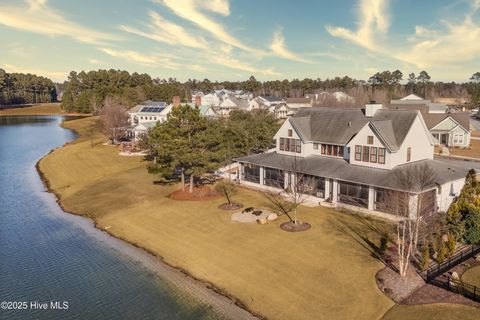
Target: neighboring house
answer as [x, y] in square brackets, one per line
[230, 103]
[145, 116]
[208, 111]
[296, 103]
[281, 111]
[451, 130]
[349, 156]
[211, 99]
[338, 96]
[414, 102]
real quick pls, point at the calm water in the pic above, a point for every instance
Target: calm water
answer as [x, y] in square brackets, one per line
[48, 255]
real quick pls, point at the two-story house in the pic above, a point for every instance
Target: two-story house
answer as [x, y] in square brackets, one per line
[350, 156]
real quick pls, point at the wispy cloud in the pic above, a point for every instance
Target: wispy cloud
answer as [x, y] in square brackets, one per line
[142, 59]
[191, 10]
[280, 49]
[373, 21]
[234, 63]
[54, 75]
[36, 16]
[454, 44]
[163, 30]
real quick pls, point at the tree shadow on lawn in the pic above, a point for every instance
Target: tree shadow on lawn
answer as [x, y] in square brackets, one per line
[366, 233]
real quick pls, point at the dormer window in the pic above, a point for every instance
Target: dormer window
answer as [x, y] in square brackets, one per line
[369, 139]
[290, 132]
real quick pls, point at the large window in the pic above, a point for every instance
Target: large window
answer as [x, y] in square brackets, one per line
[352, 193]
[312, 185]
[458, 137]
[292, 145]
[274, 178]
[332, 150]
[381, 155]
[366, 154]
[373, 154]
[358, 153]
[251, 173]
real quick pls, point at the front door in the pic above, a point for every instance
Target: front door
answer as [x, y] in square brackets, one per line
[444, 138]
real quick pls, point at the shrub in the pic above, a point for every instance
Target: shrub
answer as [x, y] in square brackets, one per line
[472, 226]
[442, 252]
[425, 257]
[451, 244]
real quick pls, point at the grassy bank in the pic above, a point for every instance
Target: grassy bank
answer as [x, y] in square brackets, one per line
[324, 273]
[37, 110]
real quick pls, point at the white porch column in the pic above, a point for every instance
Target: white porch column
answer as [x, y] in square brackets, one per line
[371, 198]
[327, 188]
[334, 191]
[286, 179]
[240, 172]
[262, 174]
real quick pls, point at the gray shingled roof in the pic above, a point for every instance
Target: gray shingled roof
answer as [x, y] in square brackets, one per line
[384, 128]
[432, 119]
[337, 168]
[340, 125]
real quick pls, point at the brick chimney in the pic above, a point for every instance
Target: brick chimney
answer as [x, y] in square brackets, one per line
[176, 101]
[198, 101]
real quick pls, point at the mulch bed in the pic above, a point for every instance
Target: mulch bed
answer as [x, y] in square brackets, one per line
[292, 227]
[228, 206]
[199, 194]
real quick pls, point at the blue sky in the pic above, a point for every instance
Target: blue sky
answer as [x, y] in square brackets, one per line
[233, 39]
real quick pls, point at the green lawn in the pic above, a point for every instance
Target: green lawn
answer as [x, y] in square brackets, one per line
[323, 273]
[40, 109]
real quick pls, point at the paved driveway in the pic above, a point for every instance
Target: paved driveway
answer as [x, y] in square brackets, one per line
[475, 123]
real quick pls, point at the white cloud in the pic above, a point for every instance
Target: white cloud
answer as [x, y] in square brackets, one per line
[142, 59]
[58, 76]
[163, 30]
[234, 63]
[373, 22]
[36, 16]
[279, 48]
[191, 10]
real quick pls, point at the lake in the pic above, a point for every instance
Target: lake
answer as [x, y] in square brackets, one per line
[48, 255]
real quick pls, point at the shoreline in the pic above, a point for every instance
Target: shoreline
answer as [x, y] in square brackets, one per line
[221, 301]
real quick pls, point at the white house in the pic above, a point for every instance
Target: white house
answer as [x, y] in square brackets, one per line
[281, 111]
[351, 157]
[211, 99]
[296, 103]
[413, 101]
[451, 130]
[146, 115]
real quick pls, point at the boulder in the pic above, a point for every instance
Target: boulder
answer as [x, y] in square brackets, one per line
[272, 217]
[455, 276]
[262, 221]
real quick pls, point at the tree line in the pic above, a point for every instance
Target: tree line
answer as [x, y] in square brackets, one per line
[20, 88]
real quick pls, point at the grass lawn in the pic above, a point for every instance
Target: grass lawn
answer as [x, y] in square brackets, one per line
[472, 276]
[440, 311]
[323, 273]
[39, 109]
[473, 151]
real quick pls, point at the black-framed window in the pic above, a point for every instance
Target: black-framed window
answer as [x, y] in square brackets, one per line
[358, 153]
[369, 139]
[274, 178]
[352, 193]
[282, 144]
[298, 148]
[409, 154]
[251, 173]
[366, 154]
[373, 154]
[381, 155]
[290, 132]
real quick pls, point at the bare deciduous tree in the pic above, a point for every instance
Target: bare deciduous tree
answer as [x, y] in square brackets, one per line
[114, 120]
[412, 206]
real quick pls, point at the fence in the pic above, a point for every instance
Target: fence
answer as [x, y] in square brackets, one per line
[457, 258]
[465, 289]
